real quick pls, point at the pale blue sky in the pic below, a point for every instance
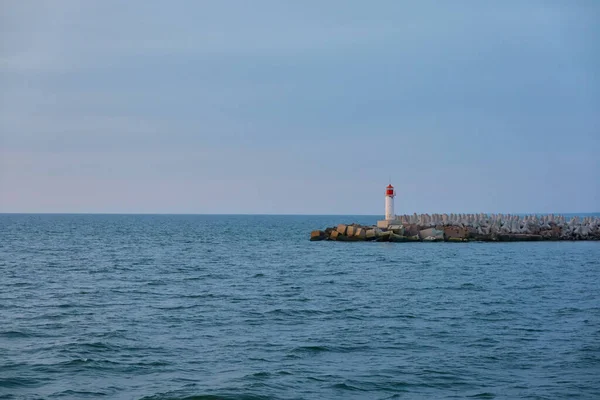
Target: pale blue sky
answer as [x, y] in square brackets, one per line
[299, 107]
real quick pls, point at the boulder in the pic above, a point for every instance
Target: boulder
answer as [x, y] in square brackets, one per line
[360, 233]
[397, 229]
[317, 235]
[566, 233]
[583, 231]
[341, 228]
[436, 234]
[551, 234]
[384, 236]
[397, 238]
[411, 230]
[455, 232]
[372, 234]
[471, 231]
[457, 239]
[533, 228]
[350, 230]
[335, 235]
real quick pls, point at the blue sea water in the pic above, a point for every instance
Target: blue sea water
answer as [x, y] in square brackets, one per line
[245, 307]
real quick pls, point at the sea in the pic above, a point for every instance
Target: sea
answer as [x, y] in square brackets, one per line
[193, 307]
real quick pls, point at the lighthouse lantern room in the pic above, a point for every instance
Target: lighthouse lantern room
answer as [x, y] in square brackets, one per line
[390, 193]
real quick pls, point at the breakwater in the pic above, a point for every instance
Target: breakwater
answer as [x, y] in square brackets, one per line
[466, 227]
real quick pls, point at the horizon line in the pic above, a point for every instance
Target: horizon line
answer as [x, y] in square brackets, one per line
[283, 214]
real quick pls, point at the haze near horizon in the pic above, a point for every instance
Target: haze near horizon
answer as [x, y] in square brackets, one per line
[299, 108]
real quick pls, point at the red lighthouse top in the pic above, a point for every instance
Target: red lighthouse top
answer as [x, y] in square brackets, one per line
[389, 190]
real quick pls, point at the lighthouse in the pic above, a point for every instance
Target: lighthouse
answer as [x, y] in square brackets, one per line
[390, 193]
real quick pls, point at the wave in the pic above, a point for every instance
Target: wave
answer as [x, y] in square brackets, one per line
[78, 394]
[484, 395]
[208, 397]
[14, 335]
[19, 382]
[311, 349]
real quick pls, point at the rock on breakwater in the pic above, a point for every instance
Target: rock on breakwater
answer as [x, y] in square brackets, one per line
[466, 227]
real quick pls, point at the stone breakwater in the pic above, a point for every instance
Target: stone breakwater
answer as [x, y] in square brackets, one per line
[466, 227]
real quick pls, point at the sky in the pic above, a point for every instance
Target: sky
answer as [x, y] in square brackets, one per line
[299, 107]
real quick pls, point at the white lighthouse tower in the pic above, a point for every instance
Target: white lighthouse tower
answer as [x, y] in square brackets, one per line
[390, 193]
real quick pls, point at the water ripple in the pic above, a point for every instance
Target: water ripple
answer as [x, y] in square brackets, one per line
[245, 307]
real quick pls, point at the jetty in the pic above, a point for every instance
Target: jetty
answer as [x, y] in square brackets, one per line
[465, 228]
